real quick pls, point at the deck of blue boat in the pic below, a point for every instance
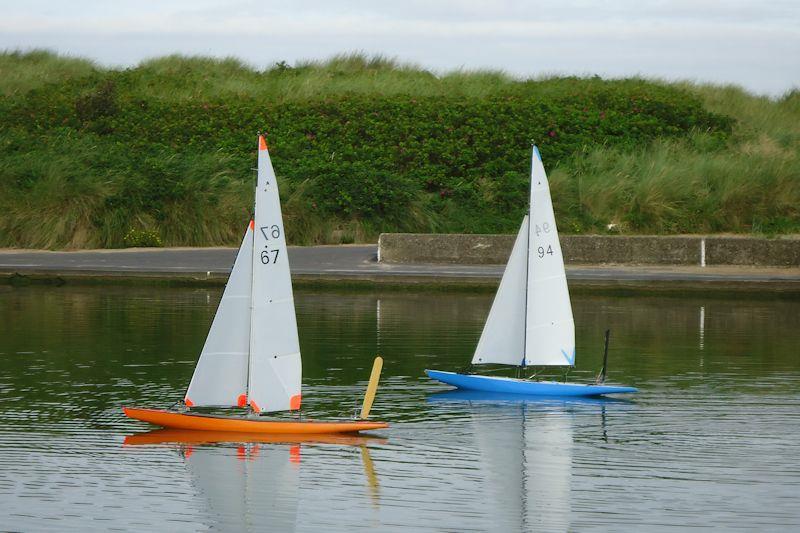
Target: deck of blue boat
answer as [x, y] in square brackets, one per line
[523, 386]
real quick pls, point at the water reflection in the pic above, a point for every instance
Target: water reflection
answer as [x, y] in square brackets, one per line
[525, 446]
[251, 482]
[710, 441]
[248, 486]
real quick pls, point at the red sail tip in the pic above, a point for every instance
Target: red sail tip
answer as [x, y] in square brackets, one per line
[254, 406]
[253, 225]
[262, 143]
[241, 401]
[188, 402]
[294, 402]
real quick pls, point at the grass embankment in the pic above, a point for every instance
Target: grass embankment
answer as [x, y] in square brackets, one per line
[164, 152]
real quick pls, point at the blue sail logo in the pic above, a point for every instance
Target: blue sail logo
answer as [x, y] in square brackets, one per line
[570, 360]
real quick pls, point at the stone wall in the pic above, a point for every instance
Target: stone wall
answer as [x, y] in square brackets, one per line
[595, 249]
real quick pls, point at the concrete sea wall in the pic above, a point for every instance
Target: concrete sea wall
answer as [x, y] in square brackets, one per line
[596, 249]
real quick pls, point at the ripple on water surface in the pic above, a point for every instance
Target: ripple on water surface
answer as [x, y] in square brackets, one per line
[711, 440]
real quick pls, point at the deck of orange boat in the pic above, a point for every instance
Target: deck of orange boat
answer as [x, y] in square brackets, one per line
[193, 421]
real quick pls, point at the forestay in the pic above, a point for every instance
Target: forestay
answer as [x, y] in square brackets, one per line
[550, 330]
[275, 369]
[220, 377]
[503, 338]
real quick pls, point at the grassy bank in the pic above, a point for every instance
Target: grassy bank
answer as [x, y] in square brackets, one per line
[163, 152]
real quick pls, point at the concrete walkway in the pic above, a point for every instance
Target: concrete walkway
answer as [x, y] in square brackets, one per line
[358, 263]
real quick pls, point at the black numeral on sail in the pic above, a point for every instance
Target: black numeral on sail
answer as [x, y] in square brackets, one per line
[267, 259]
[271, 231]
[542, 251]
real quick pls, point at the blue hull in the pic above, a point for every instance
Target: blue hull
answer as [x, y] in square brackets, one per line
[524, 386]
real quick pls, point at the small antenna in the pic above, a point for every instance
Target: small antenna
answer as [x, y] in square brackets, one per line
[601, 378]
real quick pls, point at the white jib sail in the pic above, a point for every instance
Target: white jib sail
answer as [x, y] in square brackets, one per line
[275, 368]
[549, 330]
[503, 338]
[220, 377]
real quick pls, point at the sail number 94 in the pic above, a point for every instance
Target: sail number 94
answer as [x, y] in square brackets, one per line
[542, 251]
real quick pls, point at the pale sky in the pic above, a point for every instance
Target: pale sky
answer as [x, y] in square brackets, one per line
[751, 43]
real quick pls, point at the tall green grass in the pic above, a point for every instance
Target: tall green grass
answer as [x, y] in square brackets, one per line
[21, 72]
[367, 144]
[675, 186]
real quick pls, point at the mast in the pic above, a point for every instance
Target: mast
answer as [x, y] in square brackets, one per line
[252, 303]
[528, 261]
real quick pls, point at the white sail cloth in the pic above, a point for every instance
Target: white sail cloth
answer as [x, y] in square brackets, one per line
[503, 337]
[275, 367]
[530, 322]
[549, 327]
[220, 377]
[252, 353]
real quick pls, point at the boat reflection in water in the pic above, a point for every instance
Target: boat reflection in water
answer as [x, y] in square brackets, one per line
[250, 481]
[526, 449]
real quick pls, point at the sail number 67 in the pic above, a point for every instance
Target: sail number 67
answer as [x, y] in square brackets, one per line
[267, 259]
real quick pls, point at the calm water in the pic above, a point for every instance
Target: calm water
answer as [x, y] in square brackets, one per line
[711, 440]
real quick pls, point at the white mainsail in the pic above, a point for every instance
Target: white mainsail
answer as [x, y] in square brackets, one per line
[549, 327]
[503, 337]
[530, 322]
[275, 369]
[220, 377]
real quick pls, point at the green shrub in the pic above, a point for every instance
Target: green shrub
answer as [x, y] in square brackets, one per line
[363, 145]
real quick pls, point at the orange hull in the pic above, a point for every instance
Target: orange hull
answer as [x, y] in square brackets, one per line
[188, 436]
[195, 421]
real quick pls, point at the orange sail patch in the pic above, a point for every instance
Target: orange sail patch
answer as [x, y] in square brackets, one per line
[294, 402]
